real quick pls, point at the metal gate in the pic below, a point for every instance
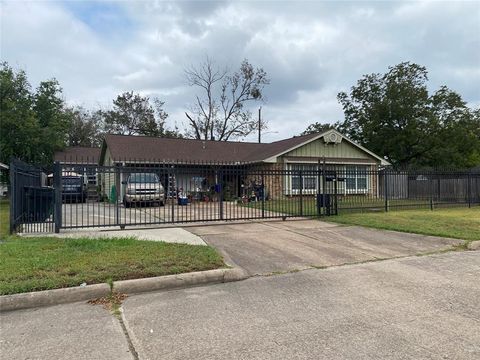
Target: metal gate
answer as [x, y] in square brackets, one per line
[31, 201]
[149, 194]
[79, 195]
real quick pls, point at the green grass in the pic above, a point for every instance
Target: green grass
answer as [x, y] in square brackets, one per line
[460, 223]
[291, 206]
[41, 263]
[4, 218]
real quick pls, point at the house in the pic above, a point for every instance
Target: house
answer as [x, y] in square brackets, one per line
[329, 151]
[83, 160]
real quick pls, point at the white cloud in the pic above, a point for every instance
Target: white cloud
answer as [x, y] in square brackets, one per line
[311, 50]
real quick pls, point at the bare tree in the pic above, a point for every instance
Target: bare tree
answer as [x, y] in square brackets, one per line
[219, 113]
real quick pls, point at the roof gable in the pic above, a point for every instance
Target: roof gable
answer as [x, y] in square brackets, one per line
[326, 134]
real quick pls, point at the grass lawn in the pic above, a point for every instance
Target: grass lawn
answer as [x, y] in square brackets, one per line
[460, 223]
[40, 263]
[292, 206]
[4, 218]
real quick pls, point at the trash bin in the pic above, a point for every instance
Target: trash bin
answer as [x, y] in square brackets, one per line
[324, 200]
[39, 202]
[182, 201]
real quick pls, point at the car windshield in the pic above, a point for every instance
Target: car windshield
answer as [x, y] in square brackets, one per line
[71, 181]
[143, 178]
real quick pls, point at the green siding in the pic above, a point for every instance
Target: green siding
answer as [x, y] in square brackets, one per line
[318, 149]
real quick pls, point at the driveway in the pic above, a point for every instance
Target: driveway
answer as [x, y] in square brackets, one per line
[282, 246]
[105, 214]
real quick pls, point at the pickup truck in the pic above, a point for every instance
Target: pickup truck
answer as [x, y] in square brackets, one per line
[142, 188]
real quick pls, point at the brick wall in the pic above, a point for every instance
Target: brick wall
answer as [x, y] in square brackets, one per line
[274, 181]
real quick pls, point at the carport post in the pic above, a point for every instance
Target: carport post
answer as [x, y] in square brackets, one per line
[57, 184]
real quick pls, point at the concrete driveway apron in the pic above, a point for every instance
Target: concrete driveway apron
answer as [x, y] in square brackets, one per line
[282, 246]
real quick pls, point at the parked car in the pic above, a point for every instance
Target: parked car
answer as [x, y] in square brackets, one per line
[73, 188]
[142, 188]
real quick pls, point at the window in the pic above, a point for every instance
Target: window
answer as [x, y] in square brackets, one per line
[142, 178]
[356, 178]
[309, 176]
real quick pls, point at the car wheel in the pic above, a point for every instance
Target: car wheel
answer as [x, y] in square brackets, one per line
[126, 203]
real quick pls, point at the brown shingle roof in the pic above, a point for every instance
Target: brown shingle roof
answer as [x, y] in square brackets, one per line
[123, 147]
[78, 154]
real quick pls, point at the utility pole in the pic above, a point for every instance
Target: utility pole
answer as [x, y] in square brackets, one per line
[259, 124]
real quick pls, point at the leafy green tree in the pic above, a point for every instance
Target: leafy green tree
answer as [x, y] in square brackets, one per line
[318, 128]
[85, 128]
[133, 114]
[33, 124]
[53, 118]
[18, 125]
[394, 115]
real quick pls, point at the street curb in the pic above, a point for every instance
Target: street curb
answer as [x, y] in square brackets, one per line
[135, 286]
[52, 297]
[474, 245]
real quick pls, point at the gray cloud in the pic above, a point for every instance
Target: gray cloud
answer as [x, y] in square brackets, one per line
[311, 50]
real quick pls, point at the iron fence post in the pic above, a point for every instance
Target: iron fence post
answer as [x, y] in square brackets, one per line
[335, 185]
[323, 186]
[263, 194]
[220, 185]
[439, 189]
[57, 184]
[431, 193]
[13, 197]
[469, 191]
[117, 192]
[173, 195]
[319, 189]
[301, 192]
[386, 189]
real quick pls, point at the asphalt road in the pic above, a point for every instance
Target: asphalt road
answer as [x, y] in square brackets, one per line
[411, 308]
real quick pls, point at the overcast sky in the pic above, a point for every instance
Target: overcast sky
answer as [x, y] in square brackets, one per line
[311, 50]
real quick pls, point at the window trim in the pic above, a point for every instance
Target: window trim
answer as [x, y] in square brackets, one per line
[289, 179]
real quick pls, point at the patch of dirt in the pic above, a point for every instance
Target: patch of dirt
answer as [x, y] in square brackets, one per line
[109, 302]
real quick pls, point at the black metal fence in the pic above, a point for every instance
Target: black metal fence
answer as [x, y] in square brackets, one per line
[31, 201]
[148, 193]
